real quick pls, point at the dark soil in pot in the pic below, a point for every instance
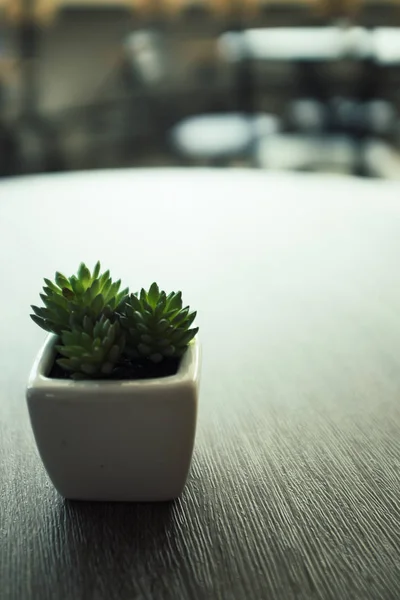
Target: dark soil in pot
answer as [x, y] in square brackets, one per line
[129, 370]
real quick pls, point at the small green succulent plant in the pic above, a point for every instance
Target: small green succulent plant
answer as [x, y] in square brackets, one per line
[92, 349]
[68, 300]
[157, 325]
[101, 329]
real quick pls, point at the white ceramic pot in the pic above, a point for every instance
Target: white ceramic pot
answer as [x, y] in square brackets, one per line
[115, 440]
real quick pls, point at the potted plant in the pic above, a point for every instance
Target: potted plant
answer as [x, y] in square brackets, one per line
[112, 395]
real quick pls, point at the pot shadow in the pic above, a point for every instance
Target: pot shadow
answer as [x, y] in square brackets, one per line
[119, 549]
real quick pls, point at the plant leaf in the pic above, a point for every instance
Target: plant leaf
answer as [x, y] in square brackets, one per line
[65, 364]
[190, 318]
[41, 322]
[84, 275]
[52, 286]
[98, 304]
[176, 302]
[153, 295]
[180, 317]
[71, 351]
[77, 285]
[68, 293]
[88, 369]
[96, 270]
[40, 312]
[134, 302]
[94, 289]
[104, 278]
[62, 281]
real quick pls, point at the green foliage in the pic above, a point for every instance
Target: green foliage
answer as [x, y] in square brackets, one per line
[157, 325]
[93, 349]
[68, 300]
[101, 328]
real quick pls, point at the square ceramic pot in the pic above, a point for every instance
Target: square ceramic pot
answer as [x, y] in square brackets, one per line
[115, 440]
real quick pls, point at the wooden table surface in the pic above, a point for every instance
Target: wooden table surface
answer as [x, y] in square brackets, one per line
[294, 488]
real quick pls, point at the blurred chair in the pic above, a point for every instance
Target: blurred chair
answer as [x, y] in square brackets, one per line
[70, 51]
[307, 115]
[8, 151]
[382, 119]
[74, 45]
[30, 135]
[219, 139]
[222, 138]
[8, 157]
[146, 58]
[291, 152]
[81, 50]
[382, 159]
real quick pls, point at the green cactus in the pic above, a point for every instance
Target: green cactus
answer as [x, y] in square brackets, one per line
[156, 324]
[91, 351]
[69, 300]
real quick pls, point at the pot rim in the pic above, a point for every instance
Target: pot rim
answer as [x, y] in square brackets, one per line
[188, 372]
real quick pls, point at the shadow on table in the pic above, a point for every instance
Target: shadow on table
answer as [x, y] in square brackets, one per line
[118, 546]
[119, 519]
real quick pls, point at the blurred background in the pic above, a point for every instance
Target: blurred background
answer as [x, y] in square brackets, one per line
[298, 85]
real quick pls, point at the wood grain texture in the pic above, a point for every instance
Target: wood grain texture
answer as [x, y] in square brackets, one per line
[294, 489]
